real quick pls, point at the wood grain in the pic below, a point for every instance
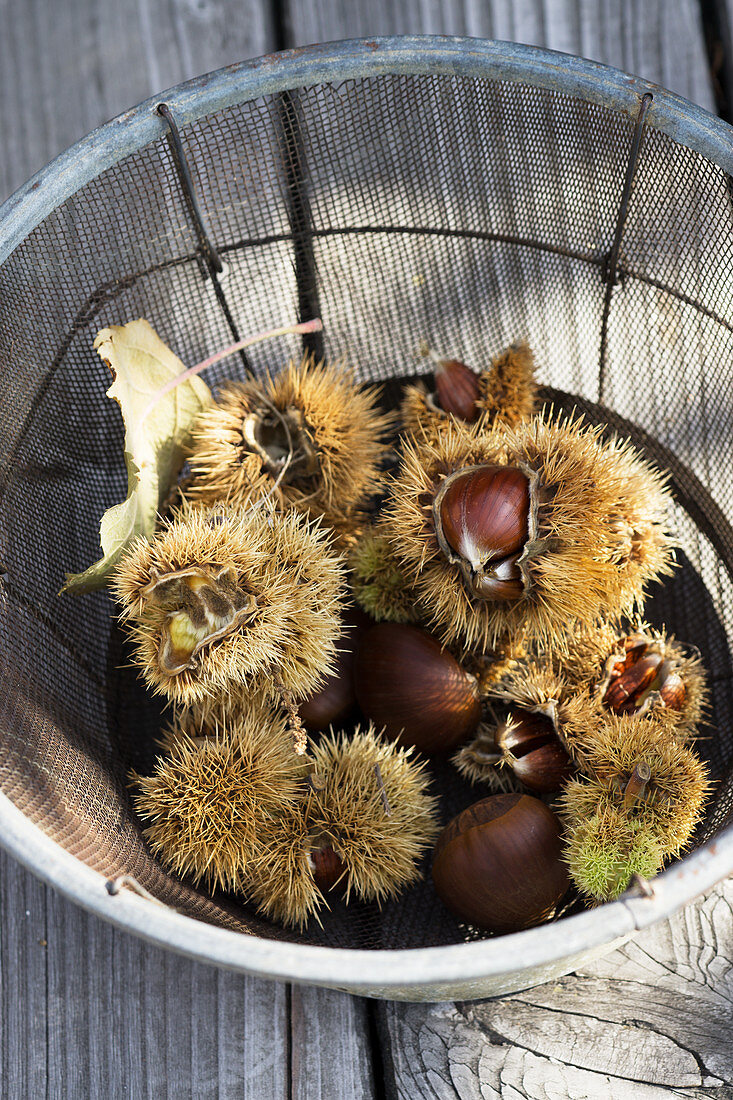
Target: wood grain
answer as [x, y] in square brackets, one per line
[89, 1011]
[657, 40]
[330, 1053]
[650, 1020]
[67, 68]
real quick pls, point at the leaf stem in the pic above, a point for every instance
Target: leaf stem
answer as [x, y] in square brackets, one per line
[316, 325]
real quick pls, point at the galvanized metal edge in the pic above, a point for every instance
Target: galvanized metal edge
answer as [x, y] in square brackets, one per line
[384, 973]
[336, 61]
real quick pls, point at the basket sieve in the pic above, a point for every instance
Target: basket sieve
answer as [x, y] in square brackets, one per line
[463, 191]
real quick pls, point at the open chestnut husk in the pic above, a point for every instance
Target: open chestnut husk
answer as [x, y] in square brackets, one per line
[498, 865]
[540, 528]
[643, 669]
[481, 516]
[530, 746]
[526, 746]
[407, 684]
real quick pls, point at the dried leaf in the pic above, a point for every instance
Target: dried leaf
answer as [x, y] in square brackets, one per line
[155, 437]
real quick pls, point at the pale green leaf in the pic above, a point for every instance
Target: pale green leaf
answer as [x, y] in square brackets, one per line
[155, 444]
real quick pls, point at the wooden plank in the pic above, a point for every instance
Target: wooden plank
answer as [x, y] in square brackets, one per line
[67, 68]
[330, 1051]
[659, 41]
[650, 1020]
[127, 1018]
[23, 1001]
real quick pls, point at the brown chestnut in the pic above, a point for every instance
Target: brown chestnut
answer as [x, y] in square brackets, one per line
[481, 516]
[642, 670]
[457, 389]
[533, 750]
[408, 684]
[673, 691]
[498, 865]
[328, 869]
[335, 699]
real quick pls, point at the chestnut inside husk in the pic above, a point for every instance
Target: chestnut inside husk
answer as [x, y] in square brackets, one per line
[531, 747]
[329, 870]
[642, 673]
[456, 389]
[482, 523]
[335, 700]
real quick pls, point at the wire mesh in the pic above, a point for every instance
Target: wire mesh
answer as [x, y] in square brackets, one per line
[470, 213]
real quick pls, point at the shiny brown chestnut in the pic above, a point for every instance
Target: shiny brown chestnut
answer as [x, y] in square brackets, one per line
[498, 865]
[481, 516]
[642, 670]
[408, 684]
[457, 389]
[673, 691]
[335, 699]
[328, 869]
[531, 747]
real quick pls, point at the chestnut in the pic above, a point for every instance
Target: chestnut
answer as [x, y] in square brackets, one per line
[498, 865]
[531, 747]
[329, 870]
[335, 699]
[641, 670]
[457, 389]
[481, 516]
[408, 684]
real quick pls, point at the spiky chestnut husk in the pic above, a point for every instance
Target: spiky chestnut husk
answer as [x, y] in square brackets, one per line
[508, 387]
[348, 812]
[480, 761]
[604, 852]
[271, 579]
[281, 882]
[335, 427]
[507, 393]
[667, 798]
[678, 682]
[538, 683]
[674, 796]
[527, 739]
[211, 799]
[492, 666]
[376, 811]
[596, 531]
[377, 581]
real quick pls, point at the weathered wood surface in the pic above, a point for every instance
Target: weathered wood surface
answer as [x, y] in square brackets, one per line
[90, 1011]
[652, 1019]
[657, 40]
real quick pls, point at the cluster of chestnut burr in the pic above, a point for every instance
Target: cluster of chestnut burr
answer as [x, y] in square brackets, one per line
[483, 602]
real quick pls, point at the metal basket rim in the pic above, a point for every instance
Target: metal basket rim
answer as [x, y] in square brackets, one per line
[362, 971]
[416, 968]
[418, 55]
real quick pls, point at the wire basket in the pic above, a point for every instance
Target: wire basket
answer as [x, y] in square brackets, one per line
[465, 192]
